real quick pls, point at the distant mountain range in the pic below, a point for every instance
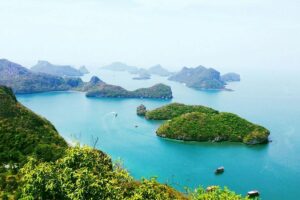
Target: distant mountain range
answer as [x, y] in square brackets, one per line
[58, 70]
[23, 80]
[203, 78]
[154, 70]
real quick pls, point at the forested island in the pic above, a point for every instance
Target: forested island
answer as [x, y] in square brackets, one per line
[37, 163]
[199, 123]
[26, 81]
[203, 78]
[158, 91]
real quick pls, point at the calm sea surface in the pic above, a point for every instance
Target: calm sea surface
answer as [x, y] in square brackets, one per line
[270, 99]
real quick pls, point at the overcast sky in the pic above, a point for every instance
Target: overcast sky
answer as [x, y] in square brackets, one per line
[225, 34]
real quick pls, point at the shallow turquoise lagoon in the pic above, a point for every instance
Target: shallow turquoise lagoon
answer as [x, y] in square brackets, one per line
[269, 99]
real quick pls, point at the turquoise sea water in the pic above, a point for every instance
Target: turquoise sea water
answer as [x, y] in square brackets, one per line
[270, 99]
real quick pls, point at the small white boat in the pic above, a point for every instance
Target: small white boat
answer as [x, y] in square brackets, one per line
[219, 170]
[253, 193]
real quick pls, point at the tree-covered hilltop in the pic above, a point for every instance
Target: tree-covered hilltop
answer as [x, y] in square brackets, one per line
[36, 163]
[23, 80]
[199, 78]
[160, 91]
[200, 123]
[24, 133]
[176, 109]
[204, 78]
[57, 70]
[197, 126]
[86, 173]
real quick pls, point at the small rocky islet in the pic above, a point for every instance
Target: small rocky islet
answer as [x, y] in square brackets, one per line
[200, 123]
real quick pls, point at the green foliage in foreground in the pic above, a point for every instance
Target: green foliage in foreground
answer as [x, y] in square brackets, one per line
[176, 109]
[197, 126]
[216, 193]
[85, 173]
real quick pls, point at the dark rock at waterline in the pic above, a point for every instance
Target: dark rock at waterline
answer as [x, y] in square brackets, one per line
[141, 110]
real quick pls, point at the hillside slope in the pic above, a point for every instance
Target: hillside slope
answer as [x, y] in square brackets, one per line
[24, 133]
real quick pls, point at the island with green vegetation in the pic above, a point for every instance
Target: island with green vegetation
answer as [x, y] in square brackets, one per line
[57, 70]
[203, 78]
[199, 123]
[37, 163]
[172, 110]
[141, 110]
[158, 91]
[199, 78]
